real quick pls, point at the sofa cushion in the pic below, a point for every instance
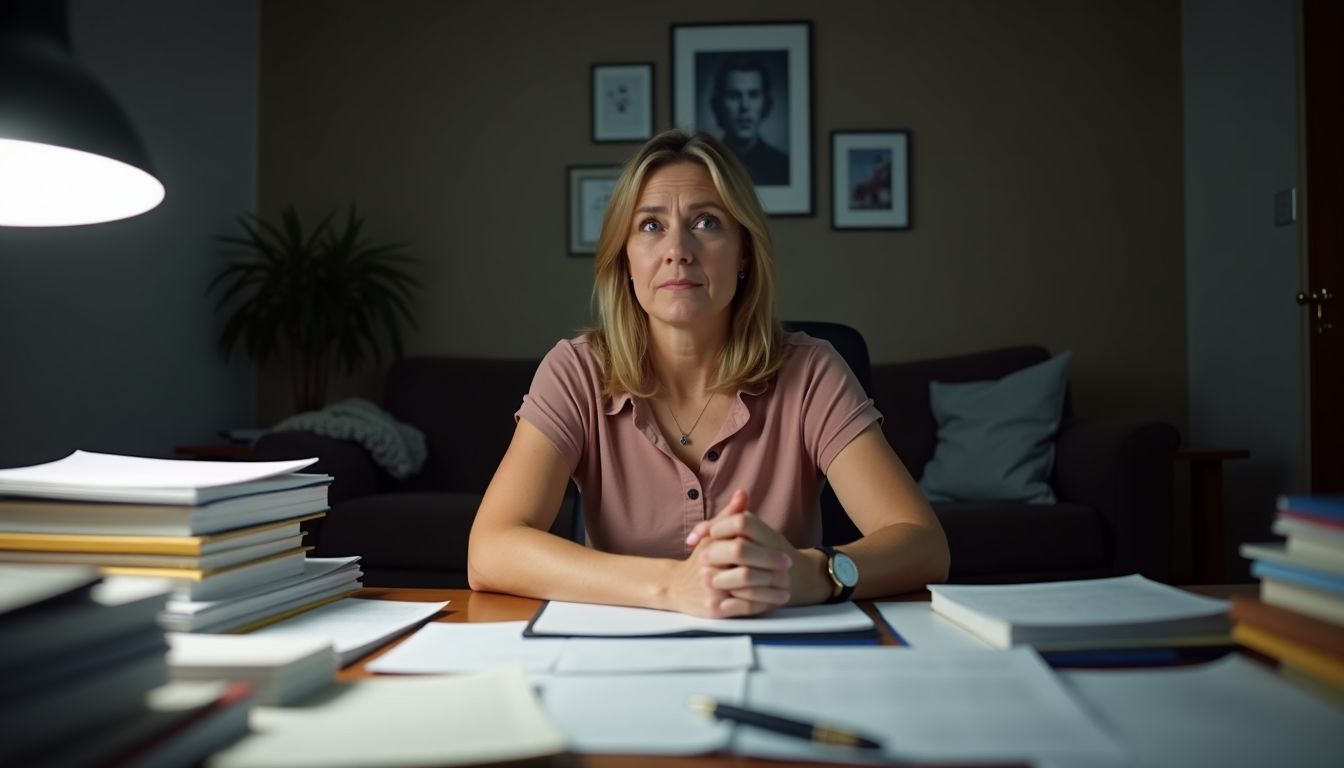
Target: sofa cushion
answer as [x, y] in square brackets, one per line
[996, 439]
[1022, 538]
[901, 392]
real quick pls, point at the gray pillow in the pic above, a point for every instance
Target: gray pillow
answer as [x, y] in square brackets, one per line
[996, 439]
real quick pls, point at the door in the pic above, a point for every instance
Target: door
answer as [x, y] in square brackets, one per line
[1323, 117]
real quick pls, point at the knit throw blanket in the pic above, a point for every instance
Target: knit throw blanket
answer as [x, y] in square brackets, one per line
[396, 447]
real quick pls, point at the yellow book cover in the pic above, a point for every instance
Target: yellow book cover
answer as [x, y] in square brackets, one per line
[192, 574]
[1296, 655]
[142, 545]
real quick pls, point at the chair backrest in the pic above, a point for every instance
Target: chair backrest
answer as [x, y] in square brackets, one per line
[836, 527]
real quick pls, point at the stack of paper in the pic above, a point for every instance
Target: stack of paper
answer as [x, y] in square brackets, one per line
[323, 580]
[284, 670]
[78, 654]
[221, 531]
[1121, 612]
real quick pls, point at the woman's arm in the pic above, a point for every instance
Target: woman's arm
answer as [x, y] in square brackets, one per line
[903, 546]
[511, 550]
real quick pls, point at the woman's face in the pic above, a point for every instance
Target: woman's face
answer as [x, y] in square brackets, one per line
[685, 251]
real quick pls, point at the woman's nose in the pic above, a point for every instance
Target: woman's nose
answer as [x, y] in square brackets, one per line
[680, 245]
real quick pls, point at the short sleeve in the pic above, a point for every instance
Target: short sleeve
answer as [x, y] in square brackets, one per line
[835, 407]
[562, 401]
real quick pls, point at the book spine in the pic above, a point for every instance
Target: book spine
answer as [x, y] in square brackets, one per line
[1324, 506]
[1306, 659]
[1300, 628]
[1304, 576]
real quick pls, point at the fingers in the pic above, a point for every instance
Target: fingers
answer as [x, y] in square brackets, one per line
[730, 552]
[736, 505]
[736, 579]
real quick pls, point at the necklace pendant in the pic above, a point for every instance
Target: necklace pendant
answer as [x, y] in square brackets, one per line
[685, 439]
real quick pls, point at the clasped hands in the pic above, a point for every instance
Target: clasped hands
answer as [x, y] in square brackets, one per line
[740, 566]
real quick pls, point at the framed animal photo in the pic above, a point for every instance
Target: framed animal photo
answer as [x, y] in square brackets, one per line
[588, 190]
[750, 85]
[870, 180]
[622, 102]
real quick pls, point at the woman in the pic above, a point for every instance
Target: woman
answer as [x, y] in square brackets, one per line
[699, 434]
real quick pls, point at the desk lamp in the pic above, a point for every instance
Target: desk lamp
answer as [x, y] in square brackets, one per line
[68, 154]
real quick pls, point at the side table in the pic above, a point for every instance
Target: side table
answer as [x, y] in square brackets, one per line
[1206, 507]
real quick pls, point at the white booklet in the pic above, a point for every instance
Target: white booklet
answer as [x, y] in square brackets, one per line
[487, 717]
[561, 619]
[1120, 612]
[108, 477]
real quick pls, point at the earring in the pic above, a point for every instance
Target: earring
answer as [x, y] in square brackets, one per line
[742, 274]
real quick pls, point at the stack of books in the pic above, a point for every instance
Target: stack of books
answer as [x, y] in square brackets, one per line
[83, 675]
[1299, 618]
[226, 534]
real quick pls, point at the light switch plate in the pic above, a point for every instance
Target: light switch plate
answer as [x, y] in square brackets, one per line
[1285, 207]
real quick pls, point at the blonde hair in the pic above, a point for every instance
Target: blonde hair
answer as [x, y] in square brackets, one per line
[620, 342]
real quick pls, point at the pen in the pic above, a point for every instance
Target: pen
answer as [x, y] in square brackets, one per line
[823, 734]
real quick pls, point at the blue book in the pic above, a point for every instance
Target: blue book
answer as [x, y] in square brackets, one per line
[1297, 575]
[1331, 507]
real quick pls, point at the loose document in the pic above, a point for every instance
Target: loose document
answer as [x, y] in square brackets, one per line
[562, 619]
[451, 647]
[1230, 712]
[354, 626]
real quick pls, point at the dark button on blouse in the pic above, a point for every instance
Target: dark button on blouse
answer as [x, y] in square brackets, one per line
[693, 494]
[712, 456]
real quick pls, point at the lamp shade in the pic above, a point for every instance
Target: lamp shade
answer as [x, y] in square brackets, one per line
[68, 154]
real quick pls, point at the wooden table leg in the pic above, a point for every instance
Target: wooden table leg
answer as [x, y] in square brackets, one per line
[1206, 518]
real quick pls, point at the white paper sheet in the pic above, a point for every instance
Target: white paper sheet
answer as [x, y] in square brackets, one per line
[356, 626]
[652, 654]
[920, 627]
[587, 620]
[1229, 712]
[460, 720]
[820, 659]
[639, 714]
[463, 647]
[933, 706]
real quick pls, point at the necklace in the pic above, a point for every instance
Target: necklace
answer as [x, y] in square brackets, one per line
[686, 433]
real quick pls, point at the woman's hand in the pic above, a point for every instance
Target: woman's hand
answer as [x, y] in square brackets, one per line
[744, 563]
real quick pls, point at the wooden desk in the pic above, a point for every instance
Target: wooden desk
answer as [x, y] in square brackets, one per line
[1206, 508]
[466, 605]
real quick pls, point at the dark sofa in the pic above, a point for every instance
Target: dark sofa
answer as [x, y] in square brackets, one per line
[1113, 480]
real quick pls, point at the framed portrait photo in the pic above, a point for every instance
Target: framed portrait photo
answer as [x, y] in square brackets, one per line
[870, 184]
[622, 102]
[589, 189]
[751, 86]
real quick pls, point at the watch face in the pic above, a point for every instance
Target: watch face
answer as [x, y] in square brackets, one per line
[845, 569]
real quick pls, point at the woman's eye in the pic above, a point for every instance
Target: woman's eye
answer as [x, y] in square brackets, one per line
[648, 225]
[707, 222]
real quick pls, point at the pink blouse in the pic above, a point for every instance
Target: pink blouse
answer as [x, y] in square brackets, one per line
[776, 443]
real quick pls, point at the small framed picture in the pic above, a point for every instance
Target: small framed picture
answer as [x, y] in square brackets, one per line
[751, 86]
[622, 102]
[870, 180]
[589, 189]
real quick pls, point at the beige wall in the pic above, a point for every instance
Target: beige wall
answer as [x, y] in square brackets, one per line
[1047, 169]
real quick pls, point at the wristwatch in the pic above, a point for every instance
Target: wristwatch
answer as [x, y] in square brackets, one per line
[843, 571]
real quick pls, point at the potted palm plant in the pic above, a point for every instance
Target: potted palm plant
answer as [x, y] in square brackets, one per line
[326, 298]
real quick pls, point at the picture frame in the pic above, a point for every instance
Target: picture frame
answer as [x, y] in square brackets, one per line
[870, 179]
[587, 190]
[622, 100]
[751, 86]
